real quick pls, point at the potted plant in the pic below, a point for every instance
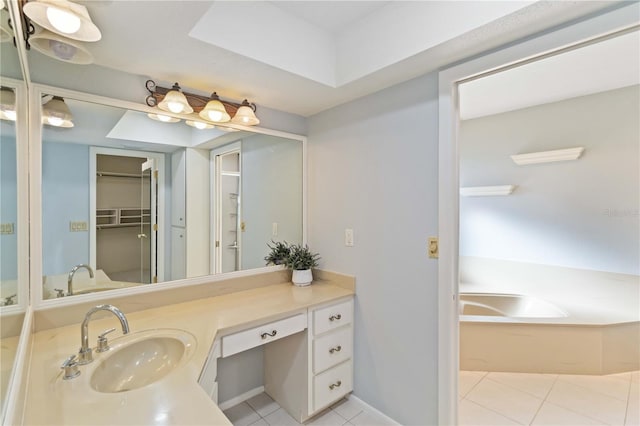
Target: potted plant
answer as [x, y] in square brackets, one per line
[279, 253]
[300, 261]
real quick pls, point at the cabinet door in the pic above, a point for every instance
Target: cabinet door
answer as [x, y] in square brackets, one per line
[178, 253]
[178, 189]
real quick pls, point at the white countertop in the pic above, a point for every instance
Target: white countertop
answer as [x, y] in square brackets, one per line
[177, 399]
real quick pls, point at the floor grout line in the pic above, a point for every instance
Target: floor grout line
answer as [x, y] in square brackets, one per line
[495, 411]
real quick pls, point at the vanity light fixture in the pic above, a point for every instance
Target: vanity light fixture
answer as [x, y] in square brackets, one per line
[211, 108]
[63, 17]
[174, 101]
[548, 156]
[56, 113]
[486, 191]
[62, 48]
[163, 118]
[7, 104]
[200, 125]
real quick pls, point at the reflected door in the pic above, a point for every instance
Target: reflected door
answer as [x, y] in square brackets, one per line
[227, 209]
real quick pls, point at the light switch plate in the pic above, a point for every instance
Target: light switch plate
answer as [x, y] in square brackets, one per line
[433, 248]
[78, 226]
[7, 228]
[348, 237]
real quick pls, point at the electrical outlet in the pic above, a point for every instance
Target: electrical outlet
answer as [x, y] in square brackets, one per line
[348, 237]
[433, 248]
[78, 226]
[7, 228]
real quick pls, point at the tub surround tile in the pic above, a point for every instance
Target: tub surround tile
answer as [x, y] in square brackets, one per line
[587, 402]
[512, 403]
[537, 385]
[553, 415]
[472, 414]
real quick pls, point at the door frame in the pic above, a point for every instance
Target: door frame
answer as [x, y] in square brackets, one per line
[589, 31]
[158, 159]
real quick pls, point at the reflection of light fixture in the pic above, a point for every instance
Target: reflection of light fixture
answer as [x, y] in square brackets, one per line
[245, 115]
[199, 124]
[174, 101]
[63, 17]
[56, 113]
[163, 118]
[61, 48]
[215, 111]
[209, 108]
[7, 104]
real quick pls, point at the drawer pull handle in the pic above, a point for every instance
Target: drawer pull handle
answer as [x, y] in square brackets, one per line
[265, 335]
[335, 317]
[336, 349]
[337, 384]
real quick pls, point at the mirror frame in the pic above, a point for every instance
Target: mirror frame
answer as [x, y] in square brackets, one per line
[35, 199]
[22, 182]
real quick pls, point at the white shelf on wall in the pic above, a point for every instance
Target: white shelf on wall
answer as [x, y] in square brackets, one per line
[487, 191]
[567, 154]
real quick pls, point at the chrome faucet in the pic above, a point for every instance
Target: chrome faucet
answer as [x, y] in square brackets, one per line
[85, 355]
[73, 272]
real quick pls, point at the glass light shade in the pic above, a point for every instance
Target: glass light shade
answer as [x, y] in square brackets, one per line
[215, 111]
[163, 118]
[57, 113]
[63, 17]
[7, 104]
[60, 47]
[245, 116]
[63, 20]
[199, 124]
[175, 101]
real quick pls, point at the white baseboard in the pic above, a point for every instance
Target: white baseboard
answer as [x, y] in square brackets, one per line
[241, 398]
[371, 409]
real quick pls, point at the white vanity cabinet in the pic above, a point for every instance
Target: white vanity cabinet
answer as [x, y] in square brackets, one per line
[308, 357]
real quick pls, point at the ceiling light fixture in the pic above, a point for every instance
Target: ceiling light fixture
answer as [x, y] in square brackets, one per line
[56, 113]
[7, 104]
[174, 101]
[63, 17]
[210, 108]
[62, 48]
[200, 125]
[163, 118]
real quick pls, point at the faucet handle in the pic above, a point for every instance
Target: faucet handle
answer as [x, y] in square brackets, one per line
[70, 367]
[103, 343]
[59, 292]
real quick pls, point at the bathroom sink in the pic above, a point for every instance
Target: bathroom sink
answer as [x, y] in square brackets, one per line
[140, 359]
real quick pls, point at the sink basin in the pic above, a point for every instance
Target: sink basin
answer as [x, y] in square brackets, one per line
[140, 359]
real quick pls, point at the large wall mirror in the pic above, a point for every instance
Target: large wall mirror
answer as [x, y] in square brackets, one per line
[129, 200]
[13, 206]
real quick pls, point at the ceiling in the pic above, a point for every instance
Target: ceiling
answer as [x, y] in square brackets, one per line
[304, 57]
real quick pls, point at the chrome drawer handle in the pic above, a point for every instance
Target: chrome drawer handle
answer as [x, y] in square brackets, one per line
[337, 384]
[265, 335]
[335, 317]
[336, 349]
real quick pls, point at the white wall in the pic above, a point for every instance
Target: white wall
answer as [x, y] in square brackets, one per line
[579, 214]
[8, 204]
[373, 168]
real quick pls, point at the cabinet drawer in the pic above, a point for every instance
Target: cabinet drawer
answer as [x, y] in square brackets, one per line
[332, 385]
[330, 317]
[247, 339]
[332, 349]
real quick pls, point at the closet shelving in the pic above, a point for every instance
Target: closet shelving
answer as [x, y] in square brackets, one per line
[122, 217]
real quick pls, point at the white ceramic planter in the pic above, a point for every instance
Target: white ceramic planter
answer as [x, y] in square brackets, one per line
[302, 278]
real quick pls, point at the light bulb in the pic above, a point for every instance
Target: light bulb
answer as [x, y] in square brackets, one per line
[62, 20]
[164, 118]
[62, 50]
[215, 115]
[176, 107]
[55, 121]
[199, 125]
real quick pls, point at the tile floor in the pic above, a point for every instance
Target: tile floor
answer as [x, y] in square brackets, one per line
[261, 410]
[488, 398]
